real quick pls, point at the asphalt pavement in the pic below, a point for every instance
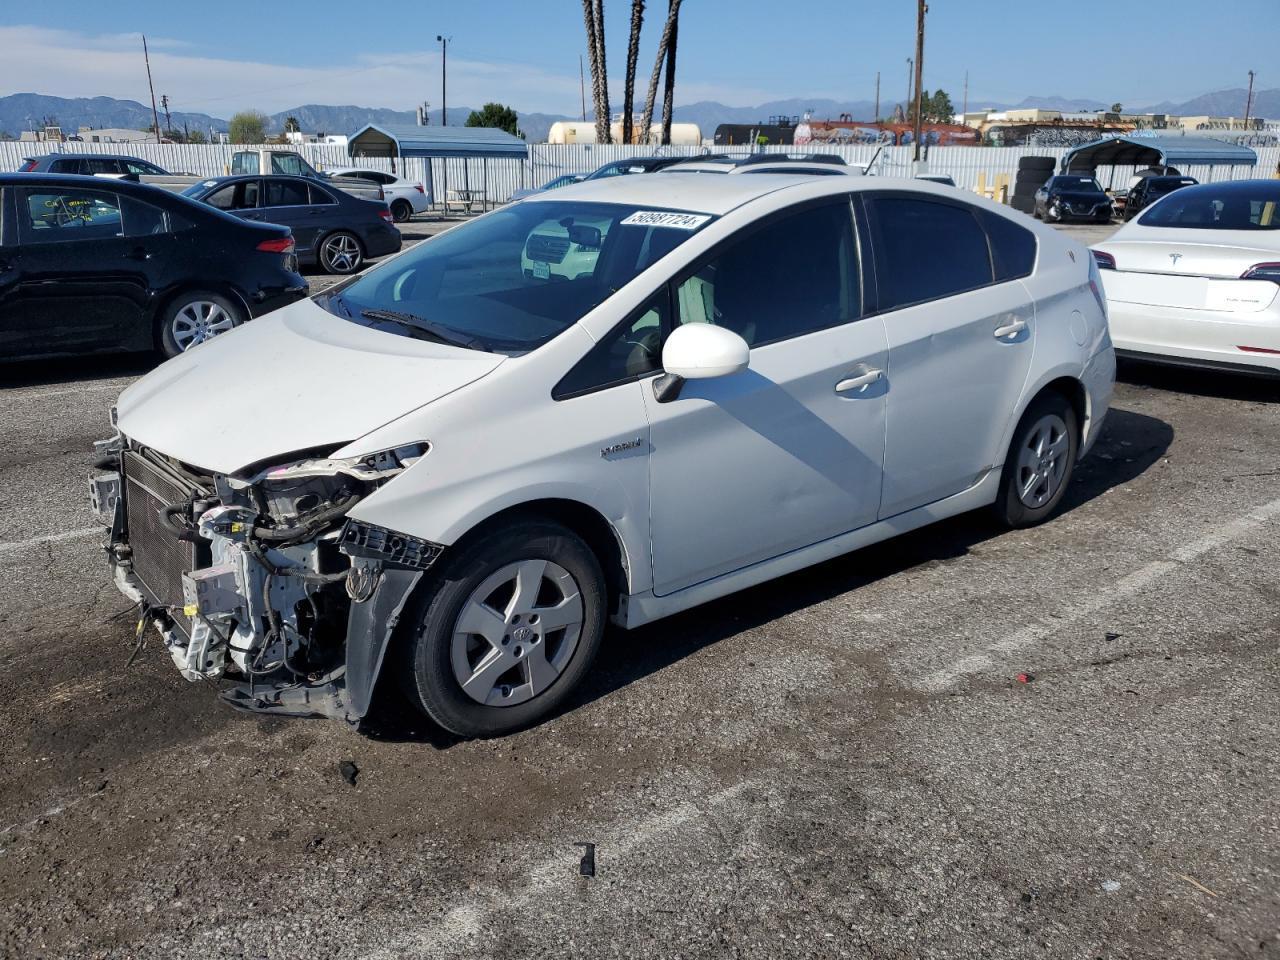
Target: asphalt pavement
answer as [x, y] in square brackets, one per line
[963, 743]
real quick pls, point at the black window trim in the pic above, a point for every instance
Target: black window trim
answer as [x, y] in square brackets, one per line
[973, 210]
[673, 282]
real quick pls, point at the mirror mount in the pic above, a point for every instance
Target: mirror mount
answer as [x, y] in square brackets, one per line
[667, 387]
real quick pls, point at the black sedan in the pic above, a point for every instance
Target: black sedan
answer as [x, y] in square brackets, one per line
[90, 265]
[1150, 189]
[1072, 198]
[333, 229]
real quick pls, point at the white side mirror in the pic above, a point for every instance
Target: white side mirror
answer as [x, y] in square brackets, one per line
[699, 351]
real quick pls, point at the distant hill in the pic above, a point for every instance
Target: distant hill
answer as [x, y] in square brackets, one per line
[15, 110]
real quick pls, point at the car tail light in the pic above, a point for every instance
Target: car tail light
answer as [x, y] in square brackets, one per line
[1263, 271]
[27, 167]
[386, 215]
[277, 245]
[420, 188]
[1105, 261]
[1095, 284]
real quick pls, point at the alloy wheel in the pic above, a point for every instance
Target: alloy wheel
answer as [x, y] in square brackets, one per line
[517, 632]
[1042, 461]
[342, 253]
[199, 320]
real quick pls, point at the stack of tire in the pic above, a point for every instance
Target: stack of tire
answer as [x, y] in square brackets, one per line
[1033, 173]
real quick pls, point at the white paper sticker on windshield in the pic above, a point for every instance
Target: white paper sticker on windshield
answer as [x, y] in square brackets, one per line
[662, 218]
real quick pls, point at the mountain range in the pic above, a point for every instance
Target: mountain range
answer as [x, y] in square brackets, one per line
[18, 111]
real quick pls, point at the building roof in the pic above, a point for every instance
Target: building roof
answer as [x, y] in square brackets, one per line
[408, 140]
[1157, 151]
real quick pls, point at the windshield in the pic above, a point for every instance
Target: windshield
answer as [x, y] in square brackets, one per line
[1255, 207]
[1076, 183]
[510, 281]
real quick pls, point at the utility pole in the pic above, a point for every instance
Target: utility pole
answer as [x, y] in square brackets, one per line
[966, 94]
[155, 116]
[906, 106]
[582, 88]
[1248, 101]
[444, 98]
[168, 120]
[876, 118]
[921, 9]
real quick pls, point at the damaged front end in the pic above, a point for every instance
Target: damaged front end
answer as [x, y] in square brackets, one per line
[260, 578]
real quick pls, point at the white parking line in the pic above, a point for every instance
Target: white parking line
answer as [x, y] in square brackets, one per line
[1125, 587]
[15, 545]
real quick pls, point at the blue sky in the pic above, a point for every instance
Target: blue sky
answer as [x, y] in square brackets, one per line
[271, 55]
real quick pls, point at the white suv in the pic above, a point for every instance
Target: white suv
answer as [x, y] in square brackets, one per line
[456, 469]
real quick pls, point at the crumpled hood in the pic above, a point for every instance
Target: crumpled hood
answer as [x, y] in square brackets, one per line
[296, 379]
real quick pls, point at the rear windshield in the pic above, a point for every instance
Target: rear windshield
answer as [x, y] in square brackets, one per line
[511, 281]
[1256, 207]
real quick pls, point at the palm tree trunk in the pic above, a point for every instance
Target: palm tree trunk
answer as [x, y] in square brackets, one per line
[633, 56]
[669, 88]
[646, 122]
[601, 79]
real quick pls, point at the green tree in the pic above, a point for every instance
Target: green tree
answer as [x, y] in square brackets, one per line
[196, 136]
[1117, 108]
[291, 125]
[496, 115]
[249, 126]
[935, 107]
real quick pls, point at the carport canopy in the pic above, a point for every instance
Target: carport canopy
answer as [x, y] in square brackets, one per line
[1157, 152]
[406, 140]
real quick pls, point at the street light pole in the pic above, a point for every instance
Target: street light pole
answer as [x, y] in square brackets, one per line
[444, 77]
[1248, 101]
[921, 9]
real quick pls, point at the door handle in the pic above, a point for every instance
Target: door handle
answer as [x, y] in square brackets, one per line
[1010, 329]
[859, 382]
[137, 253]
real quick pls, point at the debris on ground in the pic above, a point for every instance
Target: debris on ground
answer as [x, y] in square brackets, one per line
[1113, 636]
[349, 771]
[1025, 677]
[1111, 886]
[587, 865]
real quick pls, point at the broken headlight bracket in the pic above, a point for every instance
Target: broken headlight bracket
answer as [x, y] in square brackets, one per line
[371, 547]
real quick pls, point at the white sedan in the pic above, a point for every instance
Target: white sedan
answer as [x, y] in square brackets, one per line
[474, 462]
[1195, 279]
[404, 197]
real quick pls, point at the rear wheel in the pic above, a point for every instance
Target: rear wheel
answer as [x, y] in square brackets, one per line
[341, 253]
[192, 318]
[401, 210]
[508, 630]
[1041, 460]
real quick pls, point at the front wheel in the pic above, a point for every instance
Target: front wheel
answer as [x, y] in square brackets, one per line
[341, 253]
[508, 630]
[1041, 460]
[192, 318]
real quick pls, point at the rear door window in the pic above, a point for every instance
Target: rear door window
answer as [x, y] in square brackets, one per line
[286, 193]
[235, 196]
[1013, 248]
[95, 165]
[56, 216]
[926, 250]
[65, 166]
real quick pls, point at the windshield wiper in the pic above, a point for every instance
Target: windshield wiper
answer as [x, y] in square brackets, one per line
[434, 331]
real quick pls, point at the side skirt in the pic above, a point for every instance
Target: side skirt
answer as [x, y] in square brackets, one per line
[639, 609]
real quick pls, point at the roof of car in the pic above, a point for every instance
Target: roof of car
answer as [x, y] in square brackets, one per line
[71, 154]
[699, 193]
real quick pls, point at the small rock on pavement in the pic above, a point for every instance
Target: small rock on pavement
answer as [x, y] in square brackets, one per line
[349, 771]
[1111, 886]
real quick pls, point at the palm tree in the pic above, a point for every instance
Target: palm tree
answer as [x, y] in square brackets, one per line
[666, 43]
[669, 87]
[633, 56]
[291, 125]
[593, 18]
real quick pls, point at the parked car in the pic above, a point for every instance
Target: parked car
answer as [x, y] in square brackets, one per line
[91, 164]
[1194, 280]
[942, 178]
[475, 468]
[106, 265]
[1072, 198]
[1150, 189]
[333, 230]
[818, 164]
[620, 168]
[404, 197]
[564, 180]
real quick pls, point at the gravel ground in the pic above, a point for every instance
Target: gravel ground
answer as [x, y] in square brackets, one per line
[843, 763]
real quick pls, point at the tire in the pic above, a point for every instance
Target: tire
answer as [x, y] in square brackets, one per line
[1035, 480]
[1032, 178]
[401, 211]
[1036, 163]
[484, 586]
[341, 253]
[193, 317]
[1025, 204]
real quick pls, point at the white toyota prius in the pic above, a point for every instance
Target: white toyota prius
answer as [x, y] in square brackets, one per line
[453, 471]
[1195, 279]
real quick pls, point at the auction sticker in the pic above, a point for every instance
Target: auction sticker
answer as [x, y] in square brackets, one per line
[663, 218]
